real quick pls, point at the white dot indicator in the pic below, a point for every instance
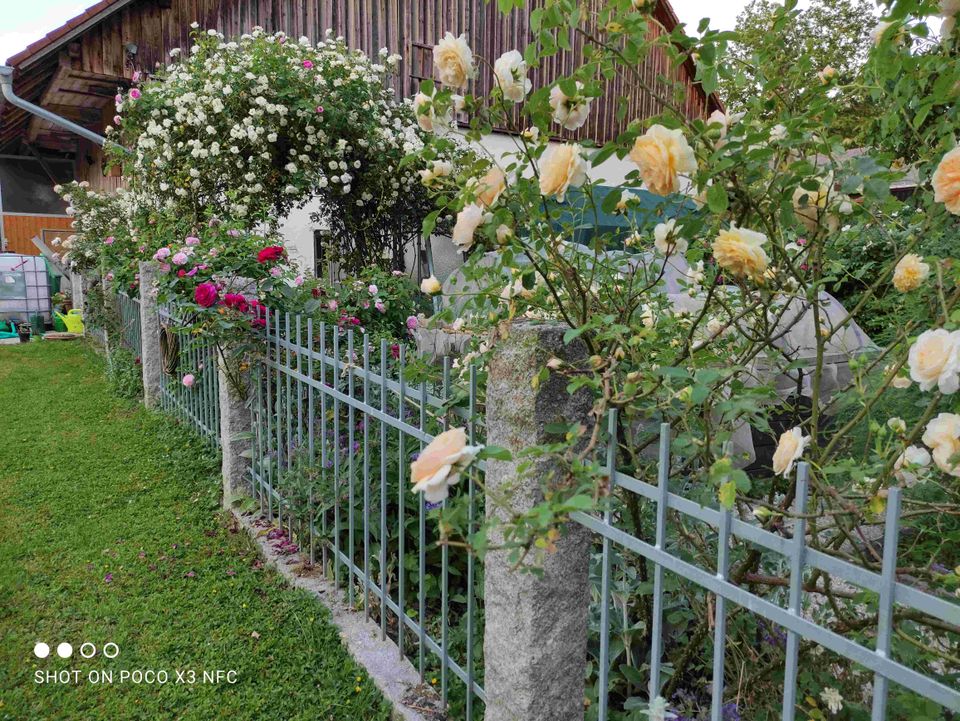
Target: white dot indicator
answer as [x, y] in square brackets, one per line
[88, 650]
[64, 650]
[41, 650]
[111, 650]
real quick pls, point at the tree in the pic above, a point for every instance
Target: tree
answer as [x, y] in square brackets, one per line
[794, 47]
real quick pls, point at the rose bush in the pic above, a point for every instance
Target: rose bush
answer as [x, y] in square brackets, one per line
[713, 313]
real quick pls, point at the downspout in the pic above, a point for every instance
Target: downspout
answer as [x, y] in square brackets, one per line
[6, 86]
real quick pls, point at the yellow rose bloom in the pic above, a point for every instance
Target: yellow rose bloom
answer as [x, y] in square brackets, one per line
[662, 155]
[562, 167]
[910, 273]
[946, 181]
[740, 251]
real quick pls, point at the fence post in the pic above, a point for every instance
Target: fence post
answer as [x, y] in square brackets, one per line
[535, 637]
[235, 427]
[235, 418]
[151, 361]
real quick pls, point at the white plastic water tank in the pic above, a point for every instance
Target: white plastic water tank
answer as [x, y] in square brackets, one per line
[24, 287]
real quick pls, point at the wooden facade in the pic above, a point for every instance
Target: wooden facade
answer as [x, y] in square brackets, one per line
[76, 70]
[20, 230]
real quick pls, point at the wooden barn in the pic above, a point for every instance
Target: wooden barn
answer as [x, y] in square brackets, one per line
[75, 70]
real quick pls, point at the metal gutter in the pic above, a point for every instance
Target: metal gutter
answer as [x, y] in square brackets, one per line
[6, 86]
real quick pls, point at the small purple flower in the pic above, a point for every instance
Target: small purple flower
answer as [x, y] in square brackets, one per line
[432, 506]
[108, 578]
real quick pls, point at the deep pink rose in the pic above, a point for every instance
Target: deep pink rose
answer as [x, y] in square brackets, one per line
[270, 253]
[206, 295]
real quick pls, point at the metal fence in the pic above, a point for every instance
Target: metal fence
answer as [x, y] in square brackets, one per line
[130, 334]
[337, 419]
[884, 591]
[189, 384]
[337, 423]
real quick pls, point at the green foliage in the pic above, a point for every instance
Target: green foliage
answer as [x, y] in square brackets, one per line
[124, 374]
[776, 55]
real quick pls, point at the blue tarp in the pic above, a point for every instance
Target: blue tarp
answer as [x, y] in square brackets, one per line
[588, 219]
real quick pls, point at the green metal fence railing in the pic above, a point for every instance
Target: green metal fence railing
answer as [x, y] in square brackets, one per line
[336, 425]
[189, 384]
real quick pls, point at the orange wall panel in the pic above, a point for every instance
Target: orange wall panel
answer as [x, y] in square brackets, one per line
[19, 230]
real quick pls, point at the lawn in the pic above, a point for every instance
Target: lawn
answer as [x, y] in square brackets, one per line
[110, 531]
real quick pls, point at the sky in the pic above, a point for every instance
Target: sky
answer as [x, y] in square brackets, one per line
[25, 22]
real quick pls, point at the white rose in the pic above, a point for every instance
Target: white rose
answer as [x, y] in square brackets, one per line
[912, 459]
[789, 448]
[934, 360]
[453, 61]
[942, 434]
[439, 464]
[666, 240]
[511, 74]
[569, 112]
[468, 220]
[897, 424]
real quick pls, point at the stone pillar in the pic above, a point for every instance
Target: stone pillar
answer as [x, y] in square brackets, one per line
[535, 638]
[235, 427]
[151, 360]
[235, 418]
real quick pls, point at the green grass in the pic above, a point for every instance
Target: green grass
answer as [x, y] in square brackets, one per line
[110, 530]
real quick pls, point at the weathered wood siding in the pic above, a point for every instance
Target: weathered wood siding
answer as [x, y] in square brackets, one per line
[407, 27]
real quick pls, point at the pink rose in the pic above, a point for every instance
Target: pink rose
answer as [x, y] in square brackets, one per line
[192, 240]
[179, 258]
[135, 94]
[412, 322]
[188, 380]
[108, 240]
[373, 289]
[380, 306]
[162, 254]
[308, 64]
[206, 294]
